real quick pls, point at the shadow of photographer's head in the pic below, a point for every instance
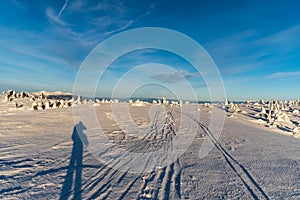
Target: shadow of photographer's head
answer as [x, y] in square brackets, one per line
[78, 134]
[80, 127]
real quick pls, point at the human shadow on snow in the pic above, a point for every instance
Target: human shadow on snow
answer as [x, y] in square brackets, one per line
[75, 165]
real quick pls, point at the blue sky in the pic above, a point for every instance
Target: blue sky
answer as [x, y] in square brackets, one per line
[255, 44]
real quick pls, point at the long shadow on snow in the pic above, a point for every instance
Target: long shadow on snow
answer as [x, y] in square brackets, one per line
[75, 165]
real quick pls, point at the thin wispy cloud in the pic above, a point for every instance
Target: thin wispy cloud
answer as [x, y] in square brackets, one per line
[174, 77]
[234, 54]
[83, 6]
[249, 51]
[283, 75]
[62, 9]
[51, 15]
[107, 17]
[17, 3]
[284, 40]
[130, 22]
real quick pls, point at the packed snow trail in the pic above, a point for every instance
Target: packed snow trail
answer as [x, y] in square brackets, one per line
[246, 163]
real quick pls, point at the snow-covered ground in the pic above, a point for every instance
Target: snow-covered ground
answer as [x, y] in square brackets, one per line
[41, 159]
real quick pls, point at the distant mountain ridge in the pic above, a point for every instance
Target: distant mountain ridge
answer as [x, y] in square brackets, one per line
[57, 93]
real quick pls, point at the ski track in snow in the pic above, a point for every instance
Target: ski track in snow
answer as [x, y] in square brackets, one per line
[245, 176]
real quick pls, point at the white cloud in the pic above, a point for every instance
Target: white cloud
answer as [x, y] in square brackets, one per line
[174, 77]
[282, 75]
